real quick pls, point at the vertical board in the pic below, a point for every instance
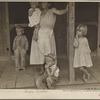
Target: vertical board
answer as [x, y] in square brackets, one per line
[71, 25]
[98, 46]
[4, 30]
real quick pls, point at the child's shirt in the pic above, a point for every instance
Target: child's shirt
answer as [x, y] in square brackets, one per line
[20, 42]
[56, 73]
[35, 18]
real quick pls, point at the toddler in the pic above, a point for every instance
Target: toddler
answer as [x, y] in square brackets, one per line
[82, 58]
[51, 74]
[34, 18]
[20, 47]
[52, 71]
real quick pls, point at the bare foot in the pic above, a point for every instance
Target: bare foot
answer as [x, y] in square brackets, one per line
[84, 78]
[88, 76]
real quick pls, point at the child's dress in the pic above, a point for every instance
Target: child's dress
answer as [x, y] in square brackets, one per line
[82, 53]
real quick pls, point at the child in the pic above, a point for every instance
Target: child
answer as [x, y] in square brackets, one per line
[34, 18]
[52, 71]
[51, 74]
[82, 58]
[20, 46]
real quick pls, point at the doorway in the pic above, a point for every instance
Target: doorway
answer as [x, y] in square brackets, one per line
[18, 14]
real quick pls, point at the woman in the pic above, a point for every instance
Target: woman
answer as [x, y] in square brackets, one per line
[46, 41]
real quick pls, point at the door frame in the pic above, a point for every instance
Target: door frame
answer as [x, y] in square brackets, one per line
[70, 36]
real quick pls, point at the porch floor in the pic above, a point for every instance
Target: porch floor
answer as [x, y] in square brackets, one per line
[10, 79]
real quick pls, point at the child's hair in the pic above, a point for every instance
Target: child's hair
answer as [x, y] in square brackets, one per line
[19, 27]
[83, 28]
[51, 56]
[35, 3]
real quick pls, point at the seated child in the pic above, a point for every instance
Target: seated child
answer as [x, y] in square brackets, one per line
[51, 74]
[20, 46]
[52, 71]
[34, 14]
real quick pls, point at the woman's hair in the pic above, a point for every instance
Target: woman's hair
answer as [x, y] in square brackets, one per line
[83, 28]
[50, 5]
[19, 27]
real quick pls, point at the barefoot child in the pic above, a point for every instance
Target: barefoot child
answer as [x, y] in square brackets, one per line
[82, 58]
[51, 74]
[52, 71]
[20, 46]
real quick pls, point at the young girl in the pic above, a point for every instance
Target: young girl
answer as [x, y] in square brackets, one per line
[82, 58]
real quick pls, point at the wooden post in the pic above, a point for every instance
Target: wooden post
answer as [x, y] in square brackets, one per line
[7, 30]
[71, 25]
[98, 42]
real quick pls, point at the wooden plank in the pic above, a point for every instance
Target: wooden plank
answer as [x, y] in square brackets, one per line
[8, 76]
[88, 23]
[71, 38]
[7, 32]
[98, 42]
[64, 74]
[25, 78]
[2, 65]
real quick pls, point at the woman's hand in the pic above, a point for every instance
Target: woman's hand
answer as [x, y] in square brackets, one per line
[67, 7]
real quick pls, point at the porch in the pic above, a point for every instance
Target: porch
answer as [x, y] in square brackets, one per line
[10, 79]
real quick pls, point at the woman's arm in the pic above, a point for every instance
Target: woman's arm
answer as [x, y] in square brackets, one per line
[60, 12]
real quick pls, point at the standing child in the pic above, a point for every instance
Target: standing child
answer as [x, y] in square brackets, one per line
[20, 46]
[82, 58]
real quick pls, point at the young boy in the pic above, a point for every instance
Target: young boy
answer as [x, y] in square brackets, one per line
[52, 71]
[51, 74]
[20, 46]
[34, 18]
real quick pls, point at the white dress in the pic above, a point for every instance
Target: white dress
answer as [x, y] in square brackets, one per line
[46, 39]
[82, 54]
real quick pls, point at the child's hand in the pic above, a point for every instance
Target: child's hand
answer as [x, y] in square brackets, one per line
[35, 36]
